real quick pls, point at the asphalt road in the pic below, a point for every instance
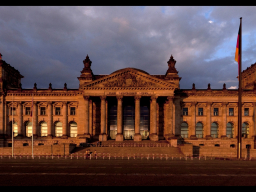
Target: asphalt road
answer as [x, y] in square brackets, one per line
[124, 172]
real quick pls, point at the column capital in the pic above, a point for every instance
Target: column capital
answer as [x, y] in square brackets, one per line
[103, 97]
[119, 97]
[224, 103]
[153, 97]
[64, 102]
[209, 103]
[49, 102]
[170, 98]
[86, 97]
[193, 103]
[34, 102]
[137, 97]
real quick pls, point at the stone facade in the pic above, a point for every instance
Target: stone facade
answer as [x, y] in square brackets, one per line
[126, 104]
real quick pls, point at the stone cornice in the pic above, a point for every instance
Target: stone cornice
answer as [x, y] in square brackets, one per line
[215, 93]
[148, 78]
[43, 93]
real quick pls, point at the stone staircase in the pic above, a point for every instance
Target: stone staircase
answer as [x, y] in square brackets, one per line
[131, 148]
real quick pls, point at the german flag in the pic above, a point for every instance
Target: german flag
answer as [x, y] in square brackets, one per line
[238, 48]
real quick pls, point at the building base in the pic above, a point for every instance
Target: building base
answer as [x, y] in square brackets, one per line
[119, 137]
[103, 137]
[153, 137]
[137, 137]
[193, 137]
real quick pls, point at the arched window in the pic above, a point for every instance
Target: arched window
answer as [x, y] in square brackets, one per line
[73, 129]
[58, 129]
[230, 130]
[184, 130]
[214, 130]
[28, 129]
[245, 130]
[199, 130]
[43, 128]
[15, 129]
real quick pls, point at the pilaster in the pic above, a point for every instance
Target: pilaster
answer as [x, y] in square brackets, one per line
[35, 119]
[193, 121]
[103, 136]
[208, 121]
[137, 136]
[65, 120]
[20, 120]
[153, 136]
[119, 136]
[49, 121]
[224, 120]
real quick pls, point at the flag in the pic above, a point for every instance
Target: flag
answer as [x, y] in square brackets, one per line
[0, 56]
[31, 107]
[238, 50]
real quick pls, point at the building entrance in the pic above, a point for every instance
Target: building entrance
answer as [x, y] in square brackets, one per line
[128, 121]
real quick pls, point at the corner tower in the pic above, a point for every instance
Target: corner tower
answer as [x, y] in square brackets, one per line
[86, 74]
[172, 74]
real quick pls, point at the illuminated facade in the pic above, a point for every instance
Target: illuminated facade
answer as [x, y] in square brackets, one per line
[127, 104]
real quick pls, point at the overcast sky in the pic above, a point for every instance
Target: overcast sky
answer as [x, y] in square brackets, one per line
[49, 44]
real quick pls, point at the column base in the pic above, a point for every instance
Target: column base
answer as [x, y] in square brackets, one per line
[224, 137]
[193, 137]
[103, 137]
[64, 137]
[153, 137]
[35, 136]
[137, 137]
[49, 136]
[119, 137]
[208, 137]
[170, 136]
[19, 136]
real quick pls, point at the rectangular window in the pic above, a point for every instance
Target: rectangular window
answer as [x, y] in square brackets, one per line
[13, 110]
[27, 111]
[231, 111]
[72, 110]
[200, 111]
[246, 111]
[42, 112]
[57, 111]
[185, 111]
[216, 111]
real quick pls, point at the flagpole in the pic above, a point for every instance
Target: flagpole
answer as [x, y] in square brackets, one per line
[239, 135]
[12, 125]
[32, 126]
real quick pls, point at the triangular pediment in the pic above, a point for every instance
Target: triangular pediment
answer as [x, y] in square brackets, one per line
[128, 78]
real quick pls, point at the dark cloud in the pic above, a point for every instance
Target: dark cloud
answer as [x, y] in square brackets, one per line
[49, 44]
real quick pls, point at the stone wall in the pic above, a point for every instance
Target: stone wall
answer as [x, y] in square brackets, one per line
[59, 149]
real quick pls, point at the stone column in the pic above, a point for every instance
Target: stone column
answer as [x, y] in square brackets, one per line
[86, 117]
[137, 136]
[35, 119]
[208, 121]
[169, 132]
[119, 135]
[253, 131]
[90, 118]
[153, 136]
[49, 121]
[103, 136]
[224, 120]
[65, 120]
[193, 121]
[6, 119]
[20, 120]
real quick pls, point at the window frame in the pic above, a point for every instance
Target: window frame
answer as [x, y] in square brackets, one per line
[200, 113]
[56, 111]
[215, 113]
[185, 112]
[231, 113]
